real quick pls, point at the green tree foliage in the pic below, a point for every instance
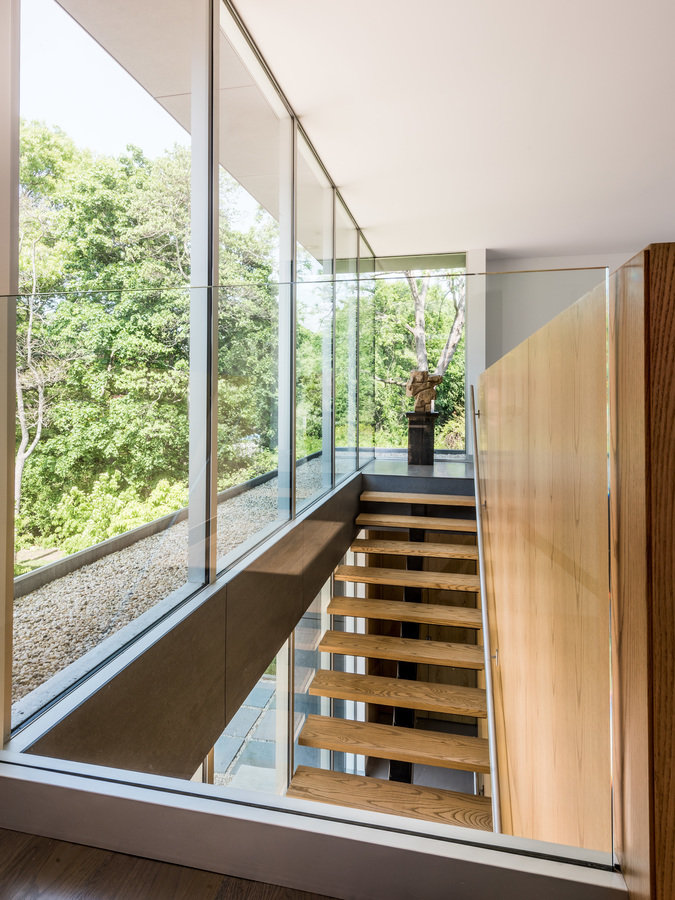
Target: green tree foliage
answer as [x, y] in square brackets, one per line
[103, 343]
[103, 340]
[395, 358]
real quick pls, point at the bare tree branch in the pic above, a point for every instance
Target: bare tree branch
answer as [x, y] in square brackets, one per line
[455, 335]
[395, 381]
[419, 331]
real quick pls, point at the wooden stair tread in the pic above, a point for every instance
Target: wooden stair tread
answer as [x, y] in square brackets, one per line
[391, 798]
[431, 523]
[415, 548]
[424, 695]
[426, 499]
[400, 611]
[375, 646]
[439, 581]
[433, 748]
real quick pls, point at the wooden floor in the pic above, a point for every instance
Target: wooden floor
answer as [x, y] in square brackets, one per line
[36, 867]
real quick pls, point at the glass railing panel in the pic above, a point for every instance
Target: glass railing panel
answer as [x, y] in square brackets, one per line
[543, 440]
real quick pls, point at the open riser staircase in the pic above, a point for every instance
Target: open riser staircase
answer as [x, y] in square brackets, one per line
[415, 713]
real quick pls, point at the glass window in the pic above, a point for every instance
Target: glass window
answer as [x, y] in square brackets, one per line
[314, 328]
[346, 342]
[255, 152]
[366, 332]
[102, 336]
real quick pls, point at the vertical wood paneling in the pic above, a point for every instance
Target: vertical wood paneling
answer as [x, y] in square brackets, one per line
[660, 349]
[543, 449]
[642, 413]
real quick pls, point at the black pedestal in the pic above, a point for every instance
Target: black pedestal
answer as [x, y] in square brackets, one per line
[421, 438]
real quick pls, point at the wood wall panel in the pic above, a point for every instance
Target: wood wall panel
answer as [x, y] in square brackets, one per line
[661, 533]
[642, 412]
[543, 454]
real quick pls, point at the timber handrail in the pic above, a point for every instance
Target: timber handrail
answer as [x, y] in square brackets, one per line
[492, 742]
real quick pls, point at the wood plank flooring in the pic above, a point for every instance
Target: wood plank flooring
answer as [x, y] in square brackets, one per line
[39, 868]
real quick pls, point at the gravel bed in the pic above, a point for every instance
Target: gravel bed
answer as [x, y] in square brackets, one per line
[58, 623]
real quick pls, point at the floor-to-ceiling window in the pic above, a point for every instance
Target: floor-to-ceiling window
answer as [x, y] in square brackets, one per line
[180, 332]
[255, 143]
[314, 327]
[366, 332]
[102, 334]
[346, 341]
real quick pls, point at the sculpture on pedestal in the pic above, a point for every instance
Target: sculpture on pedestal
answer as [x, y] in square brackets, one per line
[422, 386]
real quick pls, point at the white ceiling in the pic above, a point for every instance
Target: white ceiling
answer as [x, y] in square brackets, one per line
[530, 127]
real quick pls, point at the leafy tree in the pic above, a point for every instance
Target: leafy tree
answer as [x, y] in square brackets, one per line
[417, 317]
[103, 342]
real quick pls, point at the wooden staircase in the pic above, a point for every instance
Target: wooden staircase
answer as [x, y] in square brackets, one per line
[408, 697]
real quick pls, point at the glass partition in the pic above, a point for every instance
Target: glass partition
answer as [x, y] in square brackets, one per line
[314, 328]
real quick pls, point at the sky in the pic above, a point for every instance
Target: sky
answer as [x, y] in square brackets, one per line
[68, 80]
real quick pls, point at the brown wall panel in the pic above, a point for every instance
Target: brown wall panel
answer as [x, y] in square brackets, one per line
[163, 712]
[660, 350]
[543, 452]
[642, 413]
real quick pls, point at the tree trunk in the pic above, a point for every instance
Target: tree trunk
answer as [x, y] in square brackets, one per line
[420, 329]
[453, 340]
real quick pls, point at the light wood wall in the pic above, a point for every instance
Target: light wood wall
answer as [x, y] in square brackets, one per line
[543, 457]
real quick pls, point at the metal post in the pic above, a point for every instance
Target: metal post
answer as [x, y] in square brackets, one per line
[286, 329]
[492, 742]
[203, 297]
[9, 257]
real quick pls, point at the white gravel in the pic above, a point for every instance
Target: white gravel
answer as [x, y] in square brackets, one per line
[58, 623]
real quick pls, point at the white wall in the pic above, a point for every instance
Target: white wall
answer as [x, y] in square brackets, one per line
[520, 303]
